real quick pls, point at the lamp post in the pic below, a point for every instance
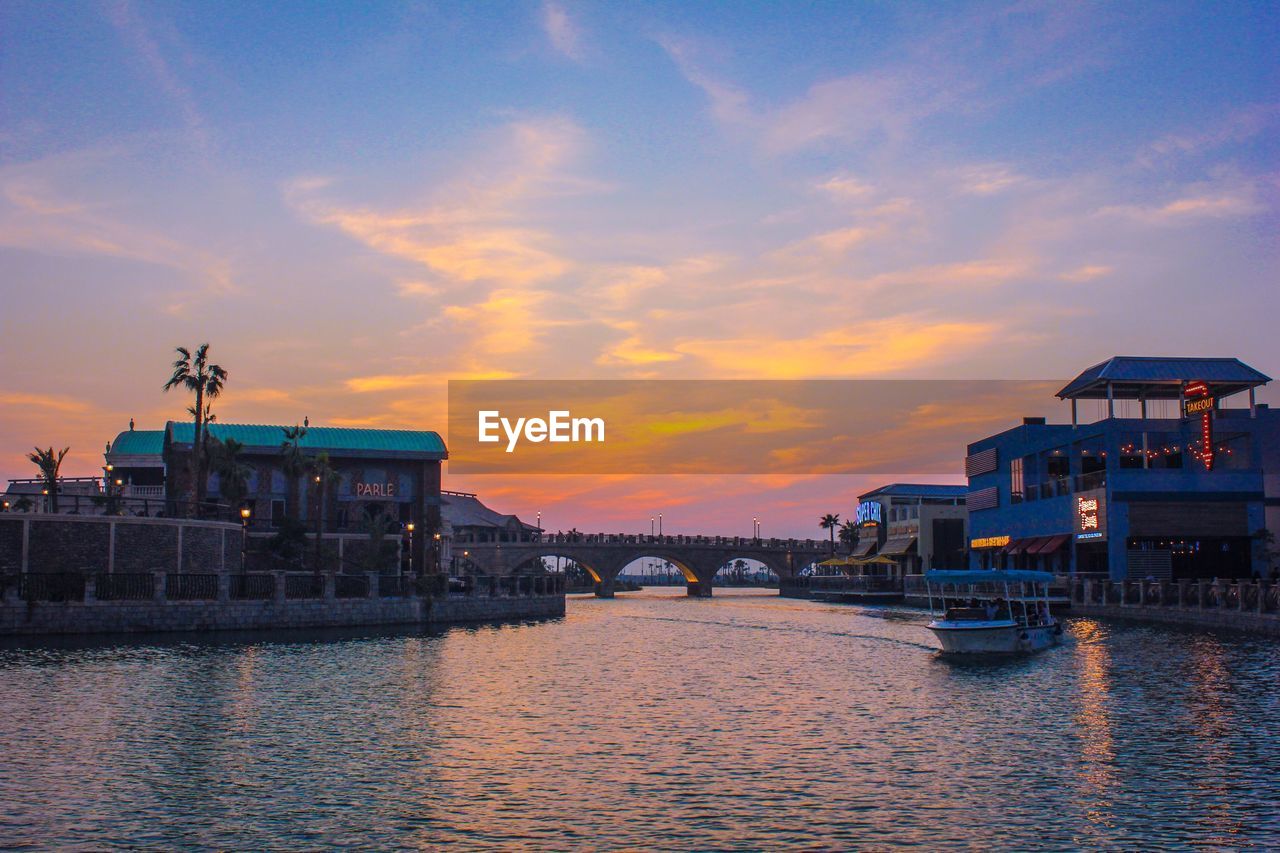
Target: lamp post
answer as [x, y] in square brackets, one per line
[244, 535]
[651, 527]
[435, 537]
[659, 525]
[539, 525]
[409, 527]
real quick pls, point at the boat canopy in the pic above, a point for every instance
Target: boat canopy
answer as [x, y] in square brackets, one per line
[987, 576]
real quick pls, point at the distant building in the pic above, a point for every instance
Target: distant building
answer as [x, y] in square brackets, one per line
[919, 526]
[1171, 482]
[466, 521]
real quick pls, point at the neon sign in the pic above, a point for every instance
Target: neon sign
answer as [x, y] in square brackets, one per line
[1196, 400]
[990, 542]
[375, 490]
[1091, 516]
[867, 514]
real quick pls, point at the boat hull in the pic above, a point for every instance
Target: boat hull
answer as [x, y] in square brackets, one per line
[986, 638]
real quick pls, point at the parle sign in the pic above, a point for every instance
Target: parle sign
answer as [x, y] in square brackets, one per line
[375, 490]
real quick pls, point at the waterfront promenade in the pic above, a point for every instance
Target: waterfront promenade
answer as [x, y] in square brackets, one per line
[67, 574]
[1239, 605]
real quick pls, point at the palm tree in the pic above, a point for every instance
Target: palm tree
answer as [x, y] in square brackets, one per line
[848, 534]
[830, 521]
[233, 475]
[49, 463]
[324, 476]
[196, 374]
[293, 462]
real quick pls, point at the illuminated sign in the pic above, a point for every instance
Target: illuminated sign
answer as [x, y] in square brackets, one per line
[868, 513]
[990, 542]
[375, 490]
[1196, 400]
[1091, 516]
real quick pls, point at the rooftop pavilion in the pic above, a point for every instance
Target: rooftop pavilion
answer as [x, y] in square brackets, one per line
[1147, 379]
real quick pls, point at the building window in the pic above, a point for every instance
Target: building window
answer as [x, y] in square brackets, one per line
[277, 513]
[1015, 479]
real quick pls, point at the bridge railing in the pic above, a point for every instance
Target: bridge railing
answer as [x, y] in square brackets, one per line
[772, 543]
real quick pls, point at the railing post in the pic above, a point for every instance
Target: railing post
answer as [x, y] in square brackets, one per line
[90, 588]
[1200, 590]
[1240, 595]
[1182, 592]
[1262, 595]
[328, 586]
[224, 587]
[158, 591]
[279, 591]
[374, 578]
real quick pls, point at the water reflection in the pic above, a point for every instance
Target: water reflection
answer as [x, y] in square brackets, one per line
[651, 720]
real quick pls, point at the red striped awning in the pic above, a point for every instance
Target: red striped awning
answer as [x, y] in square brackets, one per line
[1017, 546]
[1051, 544]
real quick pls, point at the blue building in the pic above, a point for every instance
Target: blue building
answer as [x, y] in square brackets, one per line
[1171, 481]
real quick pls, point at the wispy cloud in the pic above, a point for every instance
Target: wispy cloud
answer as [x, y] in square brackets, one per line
[140, 36]
[561, 30]
[38, 214]
[470, 230]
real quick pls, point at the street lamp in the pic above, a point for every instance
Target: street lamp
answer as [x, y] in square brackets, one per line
[659, 524]
[409, 527]
[244, 535]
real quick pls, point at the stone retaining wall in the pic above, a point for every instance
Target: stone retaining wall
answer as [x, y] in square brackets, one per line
[111, 617]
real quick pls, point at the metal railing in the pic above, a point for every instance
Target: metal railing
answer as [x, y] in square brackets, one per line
[52, 586]
[158, 586]
[1246, 596]
[303, 586]
[856, 583]
[132, 586]
[202, 587]
[351, 586]
[255, 587]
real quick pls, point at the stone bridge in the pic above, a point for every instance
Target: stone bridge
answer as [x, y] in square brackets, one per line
[604, 555]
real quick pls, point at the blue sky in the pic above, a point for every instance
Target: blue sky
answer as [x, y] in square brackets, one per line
[357, 202]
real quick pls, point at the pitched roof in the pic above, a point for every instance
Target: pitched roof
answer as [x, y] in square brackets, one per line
[463, 510]
[138, 442]
[920, 490]
[420, 444]
[1161, 378]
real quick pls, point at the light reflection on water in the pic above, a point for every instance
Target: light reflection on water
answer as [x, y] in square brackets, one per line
[648, 721]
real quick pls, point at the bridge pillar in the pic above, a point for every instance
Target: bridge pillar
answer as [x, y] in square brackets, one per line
[604, 588]
[699, 589]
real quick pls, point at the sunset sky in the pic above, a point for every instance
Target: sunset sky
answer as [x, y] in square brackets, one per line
[355, 203]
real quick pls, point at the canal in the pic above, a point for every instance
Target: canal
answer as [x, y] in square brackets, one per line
[653, 720]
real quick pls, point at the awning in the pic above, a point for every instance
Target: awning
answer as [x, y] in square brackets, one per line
[898, 546]
[1051, 544]
[1016, 546]
[1032, 545]
[864, 547]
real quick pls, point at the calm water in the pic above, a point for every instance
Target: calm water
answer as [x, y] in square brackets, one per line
[649, 721]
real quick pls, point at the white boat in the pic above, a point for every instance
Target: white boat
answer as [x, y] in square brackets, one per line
[991, 612]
